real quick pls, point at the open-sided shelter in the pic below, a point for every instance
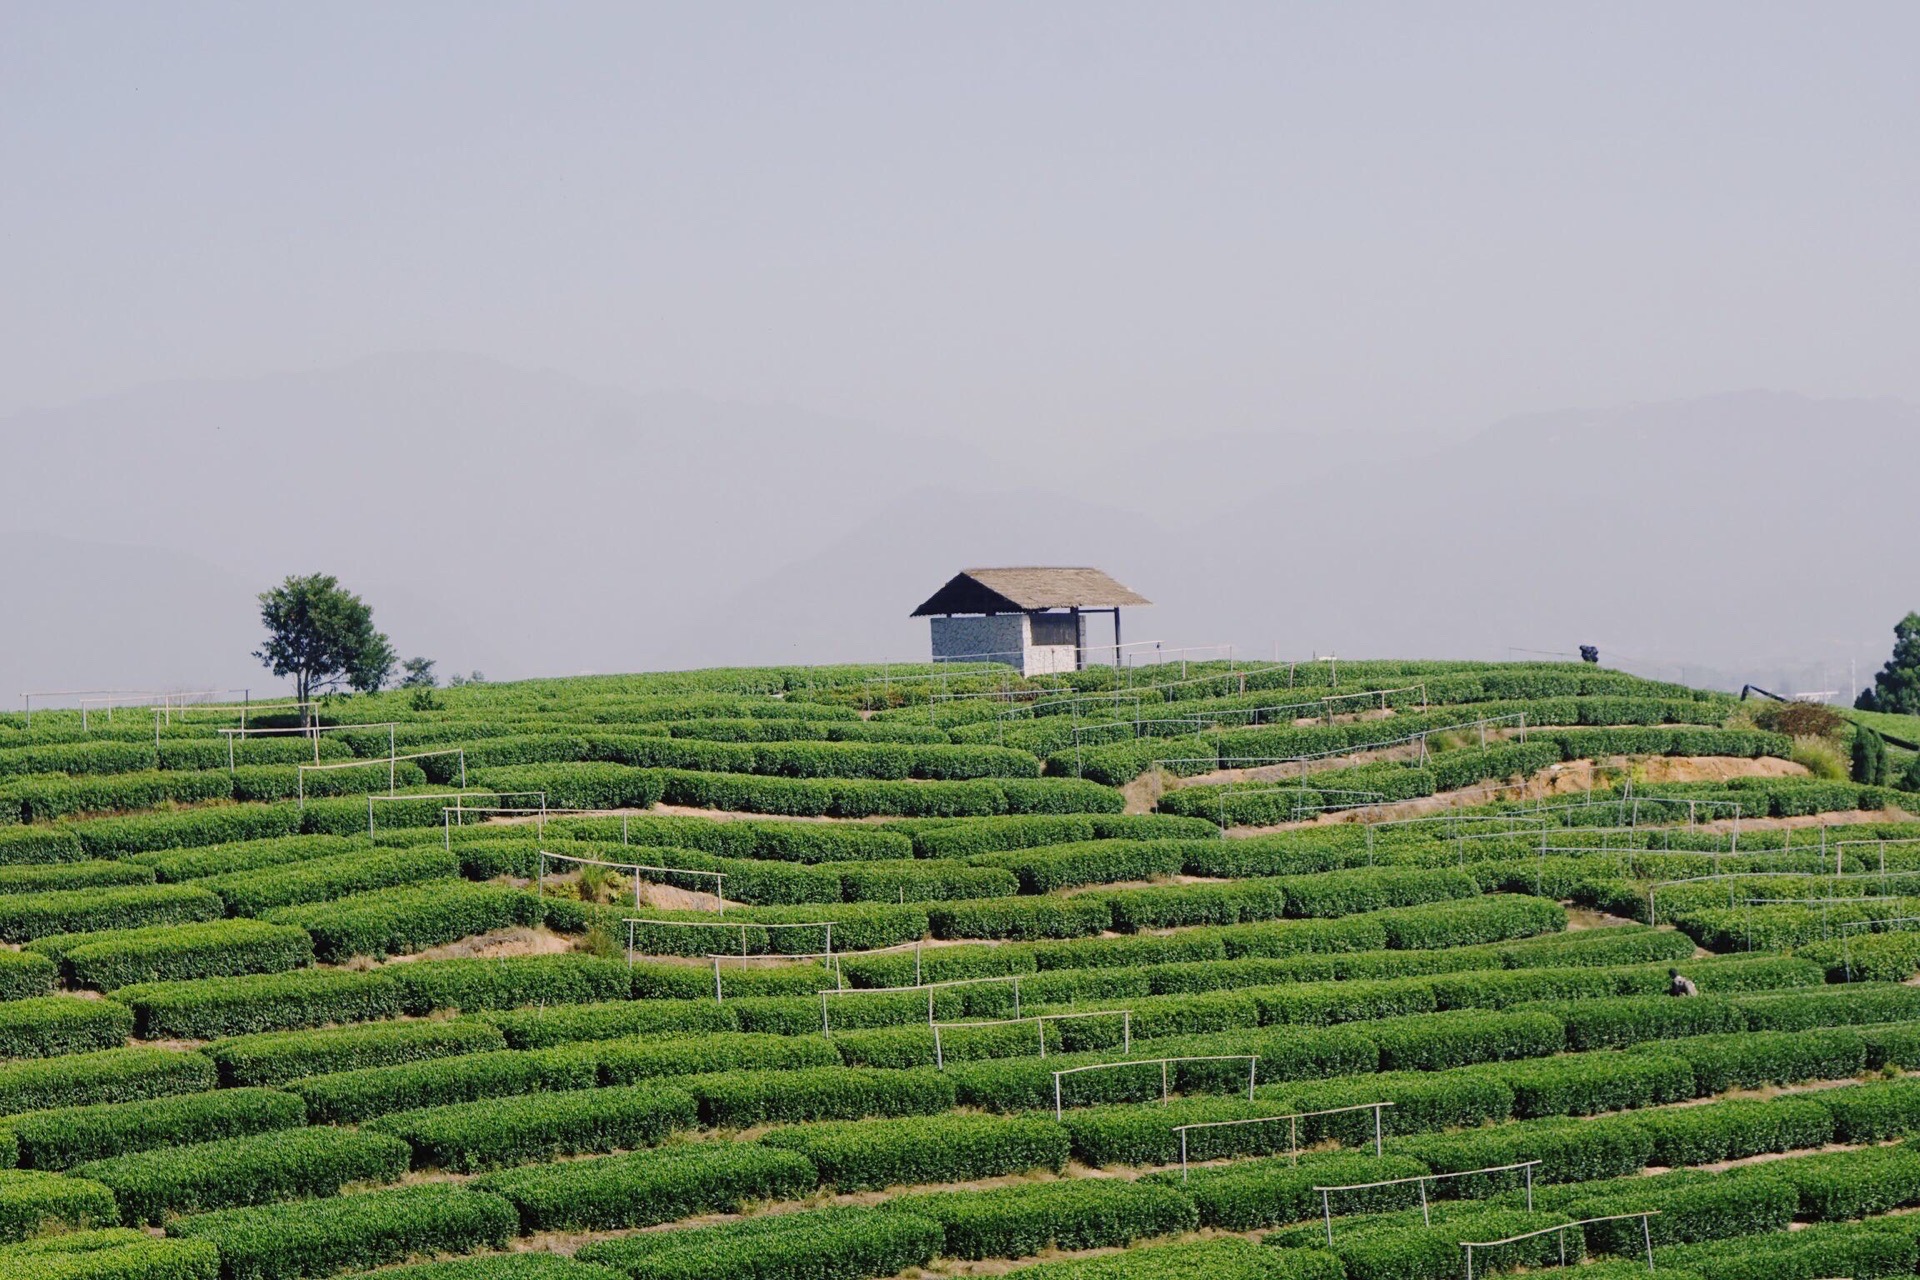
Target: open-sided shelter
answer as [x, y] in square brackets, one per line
[1032, 619]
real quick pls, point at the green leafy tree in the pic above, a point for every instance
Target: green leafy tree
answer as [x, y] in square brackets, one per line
[1869, 757]
[1897, 687]
[322, 636]
[419, 674]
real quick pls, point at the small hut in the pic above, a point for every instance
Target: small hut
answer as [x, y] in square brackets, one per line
[1033, 619]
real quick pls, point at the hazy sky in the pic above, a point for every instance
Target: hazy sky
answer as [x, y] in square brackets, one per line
[1092, 218]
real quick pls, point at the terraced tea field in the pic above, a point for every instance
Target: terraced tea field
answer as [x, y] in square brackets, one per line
[1198, 971]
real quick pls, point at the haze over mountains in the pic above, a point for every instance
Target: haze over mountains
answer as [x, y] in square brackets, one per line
[527, 523]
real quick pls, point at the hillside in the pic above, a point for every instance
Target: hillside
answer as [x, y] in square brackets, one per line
[861, 972]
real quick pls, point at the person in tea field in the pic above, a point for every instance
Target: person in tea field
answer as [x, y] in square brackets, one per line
[1680, 985]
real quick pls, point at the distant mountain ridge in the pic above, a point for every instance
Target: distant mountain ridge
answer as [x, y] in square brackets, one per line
[525, 522]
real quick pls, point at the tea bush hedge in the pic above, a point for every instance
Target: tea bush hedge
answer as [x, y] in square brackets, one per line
[645, 1188]
[63, 1137]
[864, 1155]
[465, 1137]
[171, 953]
[819, 1244]
[289, 1164]
[369, 1229]
[275, 1057]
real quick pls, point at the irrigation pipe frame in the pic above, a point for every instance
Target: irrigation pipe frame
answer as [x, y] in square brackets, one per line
[1646, 1235]
[721, 924]
[1039, 1020]
[1251, 1059]
[1293, 1128]
[1426, 1215]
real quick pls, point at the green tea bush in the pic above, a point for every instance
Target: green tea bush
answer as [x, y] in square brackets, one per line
[1224, 1259]
[580, 785]
[508, 982]
[70, 875]
[44, 1026]
[1303, 937]
[863, 1155]
[1691, 1205]
[1873, 1112]
[1422, 1102]
[269, 783]
[819, 1244]
[748, 838]
[1891, 1045]
[542, 1028]
[858, 926]
[627, 1061]
[275, 1057]
[1494, 918]
[742, 1099]
[1752, 1059]
[1836, 1006]
[645, 1188]
[31, 1202]
[1436, 1041]
[1066, 866]
[210, 1008]
[1143, 1134]
[348, 1097]
[1733, 1130]
[1346, 893]
[1568, 1151]
[1322, 1003]
[66, 1136]
[219, 824]
[249, 893]
[1019, 1221]
[172, 866]
[24, 975]
[1026, 1084]
[922, 880]
[284, 1165]
[1019, 919]
[963, 837]
[401, 921]
[39, 846]
[24, 917]
[464, 1137]
[317, 1238]
[84, 1256]
[168, 953]
[1614, 1024]
[1180, 906]
[1587, 1084]
[115, 1075]
[819, 759]
[1854, 1249]
[497, 1266]
[1402, 1247]
[1852, 1184]
[1080, 953]
[1250, 1195]
[45, 797]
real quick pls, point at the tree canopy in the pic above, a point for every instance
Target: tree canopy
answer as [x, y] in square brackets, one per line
[1897, 687]
[322, 635]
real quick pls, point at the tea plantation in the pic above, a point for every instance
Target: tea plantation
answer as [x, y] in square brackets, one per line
[1353, 971]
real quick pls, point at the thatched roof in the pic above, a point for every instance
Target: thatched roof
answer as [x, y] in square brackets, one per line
[1025, 590]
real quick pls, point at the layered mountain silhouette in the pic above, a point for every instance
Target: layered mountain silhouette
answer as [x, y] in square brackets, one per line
[529, 523]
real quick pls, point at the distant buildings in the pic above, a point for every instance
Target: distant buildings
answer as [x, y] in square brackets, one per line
[1031, 619]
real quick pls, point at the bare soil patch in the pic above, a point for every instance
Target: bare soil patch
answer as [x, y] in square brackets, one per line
[493, 946]
[1578, 777]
